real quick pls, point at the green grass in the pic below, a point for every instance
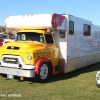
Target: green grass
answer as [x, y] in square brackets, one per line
[76, 85]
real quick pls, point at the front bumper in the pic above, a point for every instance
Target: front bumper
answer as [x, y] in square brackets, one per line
[17, 72]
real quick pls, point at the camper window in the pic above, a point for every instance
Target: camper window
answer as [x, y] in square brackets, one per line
[49, 38]
[86, 30]
[62, 34]
[71, 27]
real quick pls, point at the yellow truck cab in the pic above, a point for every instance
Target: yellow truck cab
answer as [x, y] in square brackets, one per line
[32, 48]
[34, 52]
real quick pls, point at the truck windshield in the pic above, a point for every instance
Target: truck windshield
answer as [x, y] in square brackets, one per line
[30, 36]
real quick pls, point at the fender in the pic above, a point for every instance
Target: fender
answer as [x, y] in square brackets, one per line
[40, 62]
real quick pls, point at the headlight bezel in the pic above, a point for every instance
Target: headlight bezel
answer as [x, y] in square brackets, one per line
[29, 56]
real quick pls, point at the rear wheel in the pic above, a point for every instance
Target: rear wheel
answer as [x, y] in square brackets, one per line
[44, 73]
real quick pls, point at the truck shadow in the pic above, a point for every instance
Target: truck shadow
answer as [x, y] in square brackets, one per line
[62, 76]
[75, 73]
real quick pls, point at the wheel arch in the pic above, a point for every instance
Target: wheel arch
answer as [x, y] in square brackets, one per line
[40, 62]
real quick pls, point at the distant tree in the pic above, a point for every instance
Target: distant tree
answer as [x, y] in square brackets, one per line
[2, 29]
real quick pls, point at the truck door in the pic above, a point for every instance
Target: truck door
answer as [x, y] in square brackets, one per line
[52, 50]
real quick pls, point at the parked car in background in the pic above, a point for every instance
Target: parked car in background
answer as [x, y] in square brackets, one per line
[1, 41]
[7, 41]
[98, 79]
[5, 38]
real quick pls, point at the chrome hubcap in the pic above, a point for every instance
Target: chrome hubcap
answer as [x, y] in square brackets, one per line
[44, 71]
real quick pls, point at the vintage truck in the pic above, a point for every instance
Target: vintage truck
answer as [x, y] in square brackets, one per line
[47, 44]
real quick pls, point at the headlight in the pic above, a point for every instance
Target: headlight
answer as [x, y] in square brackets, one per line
[29, 57]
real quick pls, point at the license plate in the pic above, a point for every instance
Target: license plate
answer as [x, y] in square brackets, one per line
[10, 76]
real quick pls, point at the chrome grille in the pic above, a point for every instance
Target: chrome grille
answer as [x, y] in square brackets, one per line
[10, 60]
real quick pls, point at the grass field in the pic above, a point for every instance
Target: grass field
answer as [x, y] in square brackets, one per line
[76, 85]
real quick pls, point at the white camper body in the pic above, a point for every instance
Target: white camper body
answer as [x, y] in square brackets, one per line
[81, 45]
[77, 39]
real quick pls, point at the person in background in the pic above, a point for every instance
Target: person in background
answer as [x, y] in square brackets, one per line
[15, 37]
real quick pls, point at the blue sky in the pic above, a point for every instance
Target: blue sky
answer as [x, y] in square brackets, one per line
[87, 9]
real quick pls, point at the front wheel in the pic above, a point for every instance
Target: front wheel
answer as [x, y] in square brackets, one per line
[44, 73]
